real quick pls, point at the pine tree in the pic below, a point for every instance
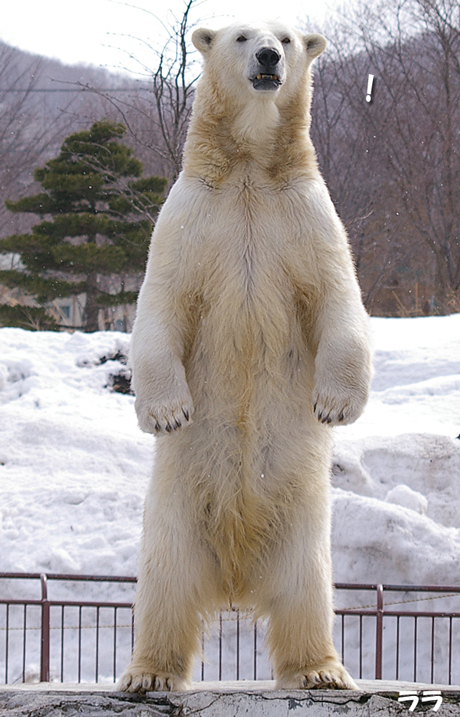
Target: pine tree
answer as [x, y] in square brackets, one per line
[96, 213]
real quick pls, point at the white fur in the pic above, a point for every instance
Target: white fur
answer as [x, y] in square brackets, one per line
[249, 318]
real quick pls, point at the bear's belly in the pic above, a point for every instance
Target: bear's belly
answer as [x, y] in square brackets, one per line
[249, 355]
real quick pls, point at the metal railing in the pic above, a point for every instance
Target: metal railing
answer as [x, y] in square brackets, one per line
[76, 638]
[414, 645]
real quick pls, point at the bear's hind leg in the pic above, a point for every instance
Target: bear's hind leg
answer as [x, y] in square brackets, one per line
[176, 580]
[297, 597]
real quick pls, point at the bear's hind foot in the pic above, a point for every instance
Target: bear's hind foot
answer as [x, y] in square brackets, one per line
[327, 676]
[144, 680]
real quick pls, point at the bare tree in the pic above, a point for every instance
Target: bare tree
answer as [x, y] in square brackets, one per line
[29, 130]
[173, 90]
[350, 159]
[158, 119]
[402, 152]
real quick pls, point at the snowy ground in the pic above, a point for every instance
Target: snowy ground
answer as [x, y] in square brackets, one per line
[396, 471]
[74, 466]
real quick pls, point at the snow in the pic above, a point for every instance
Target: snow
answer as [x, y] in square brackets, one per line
[74, 465]
[408, 498]
[397, 468]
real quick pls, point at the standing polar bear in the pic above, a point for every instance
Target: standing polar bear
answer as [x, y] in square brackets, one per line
[250, 320]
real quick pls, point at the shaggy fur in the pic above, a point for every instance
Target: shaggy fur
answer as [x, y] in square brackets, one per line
[250, 319]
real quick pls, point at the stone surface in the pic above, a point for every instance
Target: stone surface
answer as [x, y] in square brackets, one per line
[241, 699]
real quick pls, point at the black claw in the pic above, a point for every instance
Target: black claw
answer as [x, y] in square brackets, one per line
[341, 417]
[314, 408]
[157, 426]
[186, 414]
[168, 428]
[177, 424]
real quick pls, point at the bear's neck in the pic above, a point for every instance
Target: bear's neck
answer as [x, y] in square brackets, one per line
[260, 137]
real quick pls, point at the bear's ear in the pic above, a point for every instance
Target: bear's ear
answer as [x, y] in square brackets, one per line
[202, 39]
[314, 44]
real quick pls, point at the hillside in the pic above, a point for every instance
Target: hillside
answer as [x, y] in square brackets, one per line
[43, 101]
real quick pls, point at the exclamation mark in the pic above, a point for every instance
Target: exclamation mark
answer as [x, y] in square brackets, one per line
[370, 82]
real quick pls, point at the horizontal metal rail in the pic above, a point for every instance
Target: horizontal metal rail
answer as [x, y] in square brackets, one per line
[49, 618]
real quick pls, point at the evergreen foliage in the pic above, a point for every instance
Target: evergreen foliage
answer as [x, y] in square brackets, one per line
[96, 213]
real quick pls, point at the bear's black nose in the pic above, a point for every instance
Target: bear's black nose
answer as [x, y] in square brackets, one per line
[268, 57]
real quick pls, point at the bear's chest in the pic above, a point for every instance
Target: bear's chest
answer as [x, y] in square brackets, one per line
[252, 266]
[253, 243]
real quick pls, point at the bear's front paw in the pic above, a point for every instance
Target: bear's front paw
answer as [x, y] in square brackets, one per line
[163, 417]
[144, 680]
[338, 407]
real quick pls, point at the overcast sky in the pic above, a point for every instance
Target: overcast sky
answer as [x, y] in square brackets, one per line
[106, 32]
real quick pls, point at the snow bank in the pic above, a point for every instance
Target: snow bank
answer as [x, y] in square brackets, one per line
[397, 468]
[73, 464]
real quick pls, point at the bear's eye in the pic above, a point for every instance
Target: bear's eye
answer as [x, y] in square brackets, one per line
[241, 38]
[286, 40]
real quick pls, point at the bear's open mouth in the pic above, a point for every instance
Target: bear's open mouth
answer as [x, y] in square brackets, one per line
[266, 82]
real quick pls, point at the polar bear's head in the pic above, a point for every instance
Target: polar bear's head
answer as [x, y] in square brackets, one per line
[270, 59]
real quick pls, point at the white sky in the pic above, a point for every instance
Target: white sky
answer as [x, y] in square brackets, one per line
[101, 32]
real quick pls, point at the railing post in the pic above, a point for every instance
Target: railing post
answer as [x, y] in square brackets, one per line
[45, 632]
[379, 634]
